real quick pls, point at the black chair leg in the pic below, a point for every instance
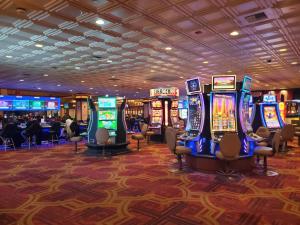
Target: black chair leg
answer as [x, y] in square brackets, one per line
[138, 145]
[179, 158]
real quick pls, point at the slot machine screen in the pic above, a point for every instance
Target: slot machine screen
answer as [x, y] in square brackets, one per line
[110, 125]
[108, 115]
[193, 86]
[156, 104]
[174, 104]
[107, 102]
[246, 113]
[183, 113]
[224, 82]
[223, 112]
[271, 117]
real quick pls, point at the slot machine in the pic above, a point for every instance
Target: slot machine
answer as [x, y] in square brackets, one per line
[183, 109]
[292, 110]
[174, 114]
[223, 108]
[268, 114]
[156, 119]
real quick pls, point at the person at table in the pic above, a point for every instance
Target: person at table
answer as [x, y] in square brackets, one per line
[12, 131]
[34, 129]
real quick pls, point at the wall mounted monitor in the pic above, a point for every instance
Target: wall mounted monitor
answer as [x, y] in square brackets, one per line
[193, 86]
[247, 81]
[66, 105]
[107, 102]
[224, 82]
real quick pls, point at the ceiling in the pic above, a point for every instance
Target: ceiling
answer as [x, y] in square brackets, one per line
[54, 45]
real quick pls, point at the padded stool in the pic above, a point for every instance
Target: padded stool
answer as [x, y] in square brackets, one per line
[76, 140]
[138, 138]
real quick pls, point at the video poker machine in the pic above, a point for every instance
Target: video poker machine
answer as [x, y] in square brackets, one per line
[268, 114]
[164, 110]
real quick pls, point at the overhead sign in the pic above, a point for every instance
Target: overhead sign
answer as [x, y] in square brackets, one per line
[223, 82]
[164, 92]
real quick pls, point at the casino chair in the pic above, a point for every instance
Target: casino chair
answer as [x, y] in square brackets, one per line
[265, 152]
[54, 132]
[287, 134]
[230, 146]
[140, 136]
[7, 143]
[102, 138]
[179, 151]
[264, 133]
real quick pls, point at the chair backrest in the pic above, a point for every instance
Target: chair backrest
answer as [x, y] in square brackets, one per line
[263, 132]
[287, 132]
[230, 145]
[170, 135]
[102, 136]
[144, 129]
[276, 142]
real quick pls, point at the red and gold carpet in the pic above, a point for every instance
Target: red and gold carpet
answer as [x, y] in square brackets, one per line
[57, 187]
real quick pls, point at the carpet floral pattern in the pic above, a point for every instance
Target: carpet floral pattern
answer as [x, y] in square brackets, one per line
[54, 186]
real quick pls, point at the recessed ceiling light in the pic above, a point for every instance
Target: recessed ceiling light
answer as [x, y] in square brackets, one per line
[70, 90]
[181, 77]
[116, 90]
[294, 63]
[229, 71]
[168, 48]
[82, 81]
[109, 61]
[106, 95]
[8, 56]
[282, 50]
[99, 21]
[77, 67]
[21, 80]
[137, 92]
[205, 62]
[113, 76]
[144, 81]
[152, 71]
[39, 88]
[39, 45]
[46, 75]
[234, 33]
[115, 85]
[91, 88]
[58, 85]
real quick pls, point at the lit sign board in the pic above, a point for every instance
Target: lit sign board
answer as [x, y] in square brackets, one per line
[164, 92]
[223, 82]
[269, 98]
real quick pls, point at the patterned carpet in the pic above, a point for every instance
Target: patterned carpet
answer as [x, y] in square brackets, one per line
[54, 186]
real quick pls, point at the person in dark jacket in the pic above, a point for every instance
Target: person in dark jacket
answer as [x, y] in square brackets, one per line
[11, 130]
[75, 128]
[34, 129]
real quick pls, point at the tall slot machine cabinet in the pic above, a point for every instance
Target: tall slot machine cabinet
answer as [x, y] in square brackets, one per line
[164, 110]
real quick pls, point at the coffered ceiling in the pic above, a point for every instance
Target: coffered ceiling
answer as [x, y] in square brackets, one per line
[126, 47]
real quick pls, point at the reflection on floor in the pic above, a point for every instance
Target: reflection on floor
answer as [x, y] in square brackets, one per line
[57, 187]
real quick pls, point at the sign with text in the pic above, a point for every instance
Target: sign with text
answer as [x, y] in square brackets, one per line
[164, 92]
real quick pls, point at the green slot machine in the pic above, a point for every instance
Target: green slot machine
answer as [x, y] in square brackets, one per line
[107, 115]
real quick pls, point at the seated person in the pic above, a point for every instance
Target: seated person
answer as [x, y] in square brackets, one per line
[34, 129]
[12, 131]
[75, 129]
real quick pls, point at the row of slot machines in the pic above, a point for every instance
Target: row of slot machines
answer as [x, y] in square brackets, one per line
[226, 106]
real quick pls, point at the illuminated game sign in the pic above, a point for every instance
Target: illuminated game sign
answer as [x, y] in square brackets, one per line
[247, 83]
[223, 82]
[28, 103]
[193, 86]
[271, 117]
[269, 98]
[105, 102]
[164, 92]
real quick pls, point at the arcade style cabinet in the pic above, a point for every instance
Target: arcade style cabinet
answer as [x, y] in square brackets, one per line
[195, 138]
[268, 114]
[162, 112]
[111, 116]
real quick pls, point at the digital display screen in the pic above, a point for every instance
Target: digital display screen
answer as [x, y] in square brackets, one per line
[246, 113]
[104, 102]
[247, 83]
[51, 105]
[36, 105]
[110, 125]
[108, 115]
[156, 104]
[224, 82]
[223, 112]
[269, 98]
[66, 105]
[174, 104]
[21, 104]
[6, 105]
[193, 86]
[271, 117]
[156, 120]
[183, 113]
